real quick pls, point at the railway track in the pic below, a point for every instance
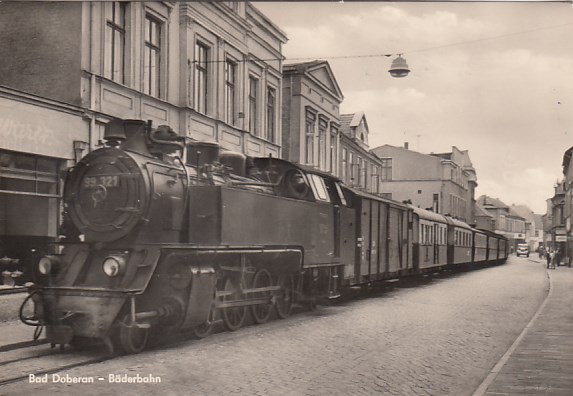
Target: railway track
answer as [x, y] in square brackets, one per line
[20, 360]
[12, 290]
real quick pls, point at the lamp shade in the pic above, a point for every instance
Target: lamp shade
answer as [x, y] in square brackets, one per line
[399, 67]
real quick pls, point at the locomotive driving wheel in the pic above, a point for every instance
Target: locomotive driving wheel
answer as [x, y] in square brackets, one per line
[262, 312]
[233, 317]
[285, 300]
[132, 336]
[203, 330]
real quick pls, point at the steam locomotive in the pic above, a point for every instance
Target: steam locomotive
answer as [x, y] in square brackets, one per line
[164, 235]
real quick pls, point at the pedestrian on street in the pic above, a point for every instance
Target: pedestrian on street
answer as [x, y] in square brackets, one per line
[557, 258]
[548, 257]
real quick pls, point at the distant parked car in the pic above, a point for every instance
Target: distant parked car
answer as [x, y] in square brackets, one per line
[522, 250]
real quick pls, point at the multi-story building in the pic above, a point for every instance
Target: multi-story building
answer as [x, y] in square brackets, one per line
[311, 115]
[317, 135]
[210, 70]
[359, 167]
[507, 222]
[533, 226]
[444, 183]
[484, 220]
[567, 204]
[558, 220]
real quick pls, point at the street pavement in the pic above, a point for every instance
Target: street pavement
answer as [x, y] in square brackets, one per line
[540, 362]
[444, 336]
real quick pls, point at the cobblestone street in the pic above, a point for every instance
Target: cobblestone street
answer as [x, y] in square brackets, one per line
[438, 338]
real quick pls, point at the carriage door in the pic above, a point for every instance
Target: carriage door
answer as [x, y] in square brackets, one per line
[374, 241]
[394, 241]
[366, 238]
[436, 243]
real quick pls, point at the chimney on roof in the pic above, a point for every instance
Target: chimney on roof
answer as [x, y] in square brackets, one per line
[406, 145]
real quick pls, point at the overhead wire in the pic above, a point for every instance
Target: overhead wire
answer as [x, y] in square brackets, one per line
[389, 54]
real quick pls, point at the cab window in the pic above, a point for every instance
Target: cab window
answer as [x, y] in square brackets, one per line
[318, 188]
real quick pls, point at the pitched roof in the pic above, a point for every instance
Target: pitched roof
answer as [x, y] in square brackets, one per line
[523, 211]
[489, 202]
[302, 66]
[319, 71]
[481, 212]
[348, 121]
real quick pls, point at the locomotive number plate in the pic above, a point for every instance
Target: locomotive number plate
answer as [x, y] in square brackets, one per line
[106, 181]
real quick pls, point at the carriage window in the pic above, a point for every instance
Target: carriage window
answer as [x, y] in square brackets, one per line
[340, 194]
[318, 187]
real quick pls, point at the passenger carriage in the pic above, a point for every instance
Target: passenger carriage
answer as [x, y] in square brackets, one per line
[430, 239]
[459, 242]
[480, 247]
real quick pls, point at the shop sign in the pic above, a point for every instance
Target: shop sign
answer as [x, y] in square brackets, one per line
[39, 130]
[560, 238]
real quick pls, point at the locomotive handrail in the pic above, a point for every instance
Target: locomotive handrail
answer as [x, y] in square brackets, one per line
[255, 183]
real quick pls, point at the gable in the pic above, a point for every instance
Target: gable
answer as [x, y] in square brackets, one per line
[323, 75]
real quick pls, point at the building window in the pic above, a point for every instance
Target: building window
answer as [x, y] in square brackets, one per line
[386, 170]
[375, 179]
[351, 164]
[436, 203]
[152, 57]
[271, 114]
[332, 155]
[361, 169]
[201, 73]
[344, 165]
[322, 127]
[28, 175]
[230, 89]
[253, 99]
[309, 131]
[114, 59]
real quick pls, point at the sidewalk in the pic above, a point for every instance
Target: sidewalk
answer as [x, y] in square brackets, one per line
[540, 362]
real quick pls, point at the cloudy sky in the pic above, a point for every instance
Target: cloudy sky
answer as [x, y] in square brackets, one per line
[492, 78]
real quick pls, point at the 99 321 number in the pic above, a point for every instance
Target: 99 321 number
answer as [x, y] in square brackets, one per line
[105, 181]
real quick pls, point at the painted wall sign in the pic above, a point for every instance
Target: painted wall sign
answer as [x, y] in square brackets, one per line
[36, 129]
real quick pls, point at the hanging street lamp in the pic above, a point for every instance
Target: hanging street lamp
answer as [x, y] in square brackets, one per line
[399, 67]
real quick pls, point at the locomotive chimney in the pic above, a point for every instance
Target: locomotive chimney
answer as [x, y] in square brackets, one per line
[114, 132]
[136, 140]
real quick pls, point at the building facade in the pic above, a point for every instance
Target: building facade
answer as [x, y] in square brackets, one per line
[359, 167]
[311, 115]
[443, 183]
[507, 222]
[210, 70]
[484, 220]
[564, 223]
[317, 135]
[533, 226]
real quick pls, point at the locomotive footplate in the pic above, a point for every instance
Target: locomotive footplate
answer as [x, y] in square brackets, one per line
[66, 316]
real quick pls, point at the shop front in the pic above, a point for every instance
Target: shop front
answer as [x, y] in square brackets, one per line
[36, 147]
